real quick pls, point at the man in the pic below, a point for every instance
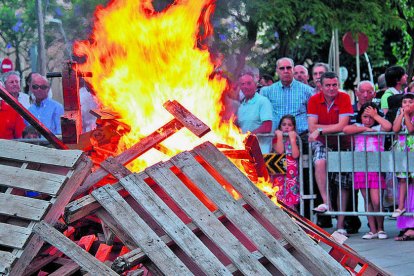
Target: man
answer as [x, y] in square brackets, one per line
[11, 82]
[266, 80]
[317, 71]
[300, 73]
[395, 78]
[329, 112]
[255, 111]
[288, 96]
[46, 110]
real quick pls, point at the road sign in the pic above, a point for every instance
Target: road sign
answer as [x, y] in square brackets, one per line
[350, 43]
[6, 65]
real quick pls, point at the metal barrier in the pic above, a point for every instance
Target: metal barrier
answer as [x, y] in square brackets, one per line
[349, 161]
[382, 162]
[265, 140]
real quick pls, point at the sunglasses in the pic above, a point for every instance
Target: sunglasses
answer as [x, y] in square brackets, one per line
[43, 87]
[285, 67]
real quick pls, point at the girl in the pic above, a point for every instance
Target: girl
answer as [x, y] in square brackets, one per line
[288, 192]
[404, 122]
[369, 120]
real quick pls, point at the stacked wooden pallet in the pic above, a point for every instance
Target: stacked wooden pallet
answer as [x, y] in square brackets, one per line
[36, 184]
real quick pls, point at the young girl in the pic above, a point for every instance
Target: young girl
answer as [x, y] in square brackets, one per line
[404, 122]
[369, 120]
[288, 192]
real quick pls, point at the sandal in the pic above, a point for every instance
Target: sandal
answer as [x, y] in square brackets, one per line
[322, 208]
[398, 213]
[404, 238]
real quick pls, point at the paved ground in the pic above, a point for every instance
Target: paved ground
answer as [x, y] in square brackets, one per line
[395, 257]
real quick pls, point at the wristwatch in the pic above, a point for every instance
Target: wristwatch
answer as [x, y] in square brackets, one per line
[320, 130]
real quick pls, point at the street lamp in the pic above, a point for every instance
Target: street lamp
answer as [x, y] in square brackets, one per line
[50, 19]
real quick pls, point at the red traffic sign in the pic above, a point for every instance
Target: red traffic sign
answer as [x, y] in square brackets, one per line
[6, 65]
[350, 43]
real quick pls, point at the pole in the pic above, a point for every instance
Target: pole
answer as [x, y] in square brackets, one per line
[41, 34]
[358, 78]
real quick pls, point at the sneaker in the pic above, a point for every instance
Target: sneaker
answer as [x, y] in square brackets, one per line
[382, 235]
[342, 232]
[398, 213]
[322, 208]
[370, 236]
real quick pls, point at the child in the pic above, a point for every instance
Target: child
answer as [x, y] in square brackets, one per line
[369, 120]
[404, 122]
[288, 192]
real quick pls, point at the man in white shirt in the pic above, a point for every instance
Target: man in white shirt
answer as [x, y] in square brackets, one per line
[11, 82]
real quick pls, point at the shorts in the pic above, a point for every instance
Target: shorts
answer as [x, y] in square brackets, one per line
[318, 151]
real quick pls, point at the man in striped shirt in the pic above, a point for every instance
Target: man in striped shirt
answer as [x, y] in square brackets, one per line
[288, 96]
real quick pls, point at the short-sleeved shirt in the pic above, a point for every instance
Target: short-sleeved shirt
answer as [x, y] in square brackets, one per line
[388, 93]
[11, 123]
[48, 112]
[253, 113]
[291, 99]
[329, 115]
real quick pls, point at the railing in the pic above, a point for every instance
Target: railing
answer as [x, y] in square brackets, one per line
[348, 161]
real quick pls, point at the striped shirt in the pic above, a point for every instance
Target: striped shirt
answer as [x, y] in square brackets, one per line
[292, 100]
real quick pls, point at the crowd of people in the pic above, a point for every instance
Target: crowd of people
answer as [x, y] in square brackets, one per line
[36, 100]
[295, 106]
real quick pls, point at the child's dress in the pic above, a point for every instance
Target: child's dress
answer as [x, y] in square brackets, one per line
[288, 184]
[404, 143]
[373, 143]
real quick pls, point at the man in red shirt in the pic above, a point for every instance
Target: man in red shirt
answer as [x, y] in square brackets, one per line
[11, 123]
[329, 112]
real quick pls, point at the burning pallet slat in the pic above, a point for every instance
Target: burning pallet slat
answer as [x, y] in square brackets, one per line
[26, 171]
[184, 119]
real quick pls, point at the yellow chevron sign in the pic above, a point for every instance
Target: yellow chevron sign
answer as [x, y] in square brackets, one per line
[275, 163]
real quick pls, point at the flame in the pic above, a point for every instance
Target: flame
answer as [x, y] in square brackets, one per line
[266, 187]
[141, 58]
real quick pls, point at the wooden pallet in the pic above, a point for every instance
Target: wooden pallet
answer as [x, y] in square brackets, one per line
[178, 219]
[54, 175]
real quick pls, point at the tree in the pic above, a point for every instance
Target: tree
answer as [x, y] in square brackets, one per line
[261, 31]
[17, 25]
[404, 49]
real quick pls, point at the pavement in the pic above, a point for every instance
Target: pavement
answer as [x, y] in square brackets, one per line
[395, 257]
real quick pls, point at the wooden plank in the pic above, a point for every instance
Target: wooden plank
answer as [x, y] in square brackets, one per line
[39, 262]
[82, 169]
[140, 232]
[133, 152]
[31, 180]
[22, 207]
[13, 236]
[71, 125]
[6, 260]
[25, 152]
[253, 148]
[70, 249]
[188, 120]
[309, 250]
[239, 216]
[206, 221]
[172, 225]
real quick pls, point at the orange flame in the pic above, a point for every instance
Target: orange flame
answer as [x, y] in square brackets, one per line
[141, 58]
